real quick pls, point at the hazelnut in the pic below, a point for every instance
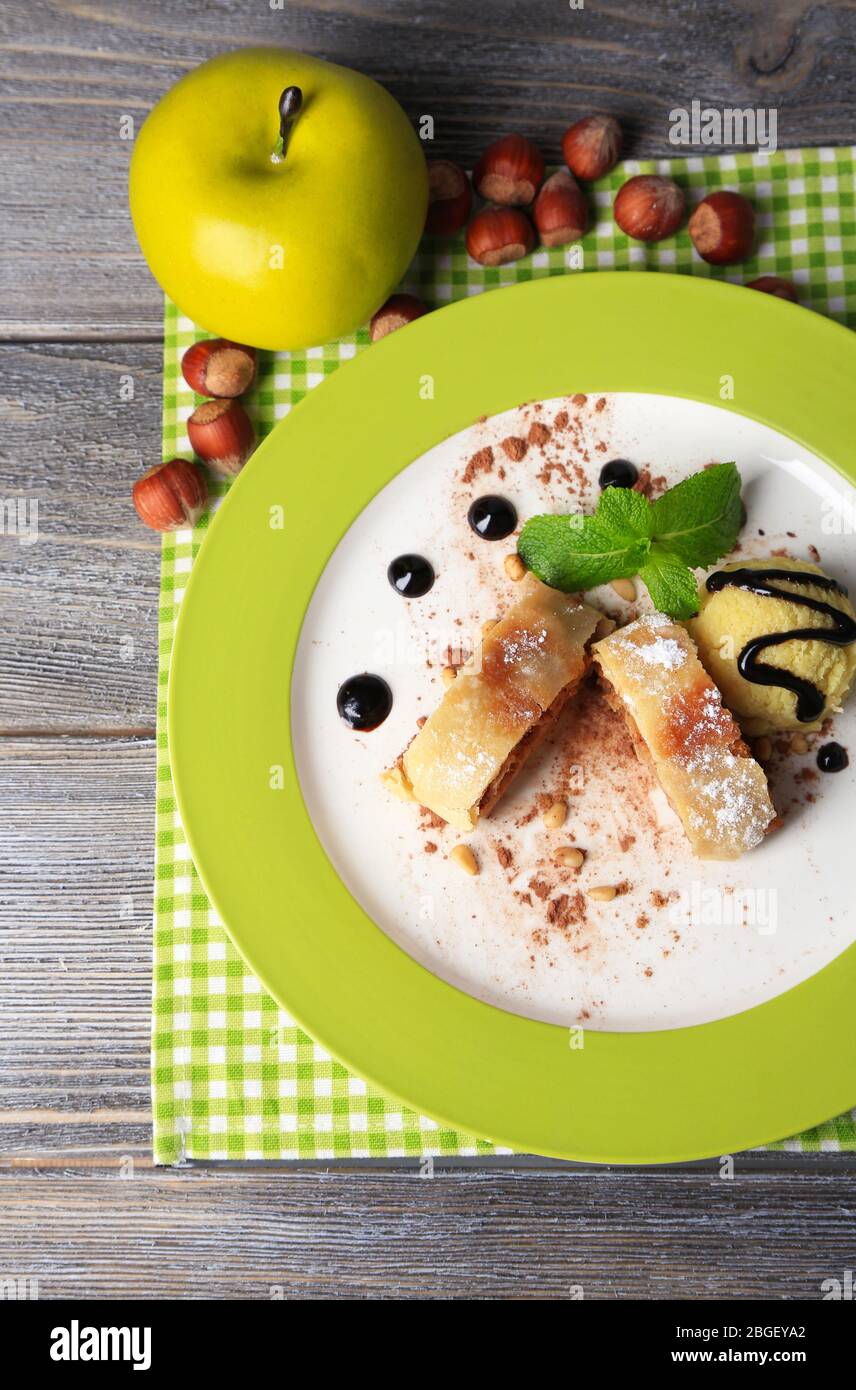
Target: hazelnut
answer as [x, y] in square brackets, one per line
[170, 495]
[222, 435]
[450, 198]
[722, 228]
[648, 207]
[560, 211]
[219, 367]
[498, 235]
[591, 147]
[774, 284]
[398, 310]
[510, 171]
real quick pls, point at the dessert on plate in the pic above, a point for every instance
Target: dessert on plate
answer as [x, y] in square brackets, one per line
[765, 645]
[651, 674]
[779, 638]
[500, 707]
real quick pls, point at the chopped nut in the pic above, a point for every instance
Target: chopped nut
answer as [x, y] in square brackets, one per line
[625, 588]
[570, 857]
[488, 626]
[602, 892]
[514, 567]
[465, 859]
[799, 743]
[763, 749]
[555, 815]
[448, 674]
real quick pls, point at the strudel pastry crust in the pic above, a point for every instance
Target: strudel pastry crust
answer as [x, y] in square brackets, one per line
[499, 708]
[674, 711]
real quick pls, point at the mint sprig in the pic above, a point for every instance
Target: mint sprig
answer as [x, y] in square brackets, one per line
[670, 583]
[692, 525]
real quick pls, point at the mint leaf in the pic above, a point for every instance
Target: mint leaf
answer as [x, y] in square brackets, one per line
[693, 524]
[672, 586]
[625, 512]
[699, 518]
[573, 553]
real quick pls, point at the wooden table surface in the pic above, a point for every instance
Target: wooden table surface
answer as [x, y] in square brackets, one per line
[81, 1207]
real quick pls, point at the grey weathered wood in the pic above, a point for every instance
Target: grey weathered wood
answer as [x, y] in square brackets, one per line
[70, 263]
[199, 1235]
[78, 638]
[76, 854]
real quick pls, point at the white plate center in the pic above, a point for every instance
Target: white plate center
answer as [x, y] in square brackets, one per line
[685, 942]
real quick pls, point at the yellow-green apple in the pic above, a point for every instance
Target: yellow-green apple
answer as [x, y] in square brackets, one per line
[278, 198]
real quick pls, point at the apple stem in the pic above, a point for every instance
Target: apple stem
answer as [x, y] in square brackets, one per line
[289, 109]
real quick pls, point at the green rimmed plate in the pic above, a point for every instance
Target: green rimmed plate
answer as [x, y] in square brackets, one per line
[653, 1096]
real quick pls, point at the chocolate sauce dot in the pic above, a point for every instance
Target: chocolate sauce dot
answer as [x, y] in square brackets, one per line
[364, 701]
[492, 518]
[618, 473]
[832, 758]
[410, 575]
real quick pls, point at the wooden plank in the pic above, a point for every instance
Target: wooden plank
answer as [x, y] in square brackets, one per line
[78, 641]
[70, 264]
[75, 943]
[242, 1235]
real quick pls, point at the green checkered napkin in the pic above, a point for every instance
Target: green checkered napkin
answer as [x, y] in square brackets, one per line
[233, 1076]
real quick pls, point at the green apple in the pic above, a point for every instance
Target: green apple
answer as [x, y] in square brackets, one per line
[271, 241]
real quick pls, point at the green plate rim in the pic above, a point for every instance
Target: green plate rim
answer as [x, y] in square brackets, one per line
[655, 1097]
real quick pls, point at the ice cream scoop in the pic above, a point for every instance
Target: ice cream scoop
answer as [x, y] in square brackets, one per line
[779, 638]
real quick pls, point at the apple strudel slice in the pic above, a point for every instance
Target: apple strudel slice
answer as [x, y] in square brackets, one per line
[500, 707]
[652, 675]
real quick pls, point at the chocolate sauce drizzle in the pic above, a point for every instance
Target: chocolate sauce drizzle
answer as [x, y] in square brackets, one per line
[810, 700]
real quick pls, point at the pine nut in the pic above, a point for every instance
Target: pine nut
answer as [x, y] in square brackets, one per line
[448, 674]
[570, 857]
[763, 749]
[602, 893]
[465, 859]
[514, 567]
[799, 743]
[625, 588]
[555, 815]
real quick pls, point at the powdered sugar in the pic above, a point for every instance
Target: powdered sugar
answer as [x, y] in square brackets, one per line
[664, 653]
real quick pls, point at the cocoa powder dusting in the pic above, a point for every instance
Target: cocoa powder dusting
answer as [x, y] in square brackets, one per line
[539, 434]
[514, 447]
[481, 462]
[649, 486]
[540, 888]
